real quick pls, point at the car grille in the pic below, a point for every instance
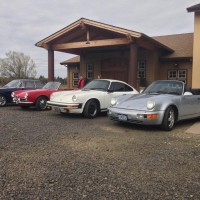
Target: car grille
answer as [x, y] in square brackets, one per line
[23, 100]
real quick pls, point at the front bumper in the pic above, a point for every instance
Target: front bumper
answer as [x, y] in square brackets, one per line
[65, 107]
[19, 101]
[136, 116]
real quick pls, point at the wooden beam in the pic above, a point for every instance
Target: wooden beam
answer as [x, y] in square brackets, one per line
[129, 37]
[46, 46]
[50, 65]
[82, 25]
[88, 36]
[94, 43]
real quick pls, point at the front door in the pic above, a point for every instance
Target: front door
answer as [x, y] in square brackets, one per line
[115, 68]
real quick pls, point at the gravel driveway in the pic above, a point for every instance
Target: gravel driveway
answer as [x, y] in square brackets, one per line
[44, 155]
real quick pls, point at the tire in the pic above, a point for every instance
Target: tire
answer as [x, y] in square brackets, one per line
[169, 119]
[41, 103]
[3, 100]
[91, 109]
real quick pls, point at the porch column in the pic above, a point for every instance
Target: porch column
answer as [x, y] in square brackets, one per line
[132, 70]
[50, 65]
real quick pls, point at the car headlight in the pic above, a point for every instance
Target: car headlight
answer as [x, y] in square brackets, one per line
[12, 94]
[113, 101]
[26, 95]
[74, 98]
[150, 105]
[52, 96]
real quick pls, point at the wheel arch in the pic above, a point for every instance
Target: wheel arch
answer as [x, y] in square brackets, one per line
[94, 99]
[6, 99]
[175, 109]
[41, 96]
[3, 94]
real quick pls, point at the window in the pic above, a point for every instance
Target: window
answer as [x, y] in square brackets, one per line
[141, 69]
[90, 71]
[180, 75]
[75, 77]
[29, 84]
[118, 87]
[172, 74]
[39, 84]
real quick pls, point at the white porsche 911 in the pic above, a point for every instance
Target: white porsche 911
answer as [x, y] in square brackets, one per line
[95, 97]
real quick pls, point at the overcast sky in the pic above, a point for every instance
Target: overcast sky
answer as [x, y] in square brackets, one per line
[25, 22]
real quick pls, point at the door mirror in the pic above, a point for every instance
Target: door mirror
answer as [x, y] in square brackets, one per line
[187, 93]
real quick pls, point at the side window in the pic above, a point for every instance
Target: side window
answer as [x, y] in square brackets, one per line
[39, 84]
[21, 84]
[29, 84]
[128, 88]
[117, 87]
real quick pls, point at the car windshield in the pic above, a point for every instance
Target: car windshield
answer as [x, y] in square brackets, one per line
[97, 85]
[12, 84]
[165, 87]
[52, 85]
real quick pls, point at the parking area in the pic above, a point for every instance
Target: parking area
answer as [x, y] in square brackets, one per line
[44, 155]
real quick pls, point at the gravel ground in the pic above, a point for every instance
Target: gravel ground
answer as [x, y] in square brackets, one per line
[44, 155]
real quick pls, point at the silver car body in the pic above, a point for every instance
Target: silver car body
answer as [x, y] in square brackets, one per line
[164, 94]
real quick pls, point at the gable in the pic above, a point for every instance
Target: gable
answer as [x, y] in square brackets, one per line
[89, 34]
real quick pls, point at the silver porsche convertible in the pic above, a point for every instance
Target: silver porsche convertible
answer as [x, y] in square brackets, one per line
[164, 102]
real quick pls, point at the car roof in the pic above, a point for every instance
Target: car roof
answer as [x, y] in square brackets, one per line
[112, 80]
[27, 79]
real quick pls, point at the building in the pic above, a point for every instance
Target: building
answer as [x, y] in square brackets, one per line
[126, 55]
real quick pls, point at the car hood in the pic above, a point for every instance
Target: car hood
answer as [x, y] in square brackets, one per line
[139, 101]
[30, 92]
[66, 96]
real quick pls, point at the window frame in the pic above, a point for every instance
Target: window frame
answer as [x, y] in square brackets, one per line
[177, 77]
[75, 79]
[141, 68]
[88, 71]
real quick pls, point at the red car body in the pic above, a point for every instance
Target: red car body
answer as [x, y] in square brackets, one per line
[37, 98]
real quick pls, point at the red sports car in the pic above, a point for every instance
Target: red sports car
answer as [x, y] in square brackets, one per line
[37, 98]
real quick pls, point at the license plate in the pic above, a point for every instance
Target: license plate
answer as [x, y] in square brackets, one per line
[122, 117]
[56, 109]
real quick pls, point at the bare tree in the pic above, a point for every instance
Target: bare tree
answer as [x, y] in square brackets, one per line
[17, 65]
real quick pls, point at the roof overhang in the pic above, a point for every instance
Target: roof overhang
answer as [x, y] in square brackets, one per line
[65, 41]
[195, 8]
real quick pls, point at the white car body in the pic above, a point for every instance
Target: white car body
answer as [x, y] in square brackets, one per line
[93, 98]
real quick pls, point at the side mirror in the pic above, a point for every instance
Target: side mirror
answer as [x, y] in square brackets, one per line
[141, 91]
[187, 93]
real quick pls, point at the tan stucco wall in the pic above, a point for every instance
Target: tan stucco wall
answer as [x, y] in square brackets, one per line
[196, 52]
